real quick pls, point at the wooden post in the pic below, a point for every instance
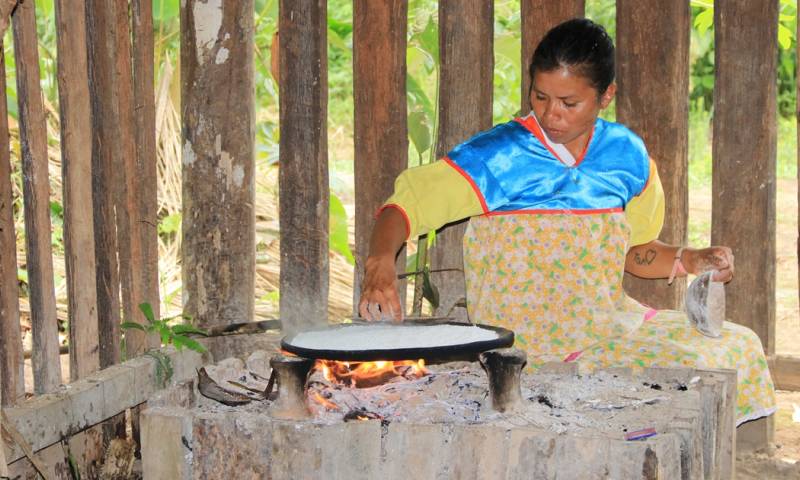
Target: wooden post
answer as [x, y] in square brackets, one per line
[539, 16]
[36, 190]
[145, 110]
[653, 101]
[217, 97]
[465, 108]
[744, 168]
[11, 364]
[303, 163]
[3, 464]
[127, 191]
[101, 48]
[381, 130]
[76, 164]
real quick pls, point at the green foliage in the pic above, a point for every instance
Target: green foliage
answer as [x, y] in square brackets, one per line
[701, 81]
[338, 229]
[57, 227]
[170, 334]
[170, 224]
[429, 291]
[164, 369]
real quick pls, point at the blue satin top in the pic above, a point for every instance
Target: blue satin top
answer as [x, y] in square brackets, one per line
[513, 170]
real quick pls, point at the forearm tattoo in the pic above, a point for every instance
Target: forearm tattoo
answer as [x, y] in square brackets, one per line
[648, 258]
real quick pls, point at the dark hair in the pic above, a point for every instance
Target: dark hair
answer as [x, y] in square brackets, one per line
[579, 44]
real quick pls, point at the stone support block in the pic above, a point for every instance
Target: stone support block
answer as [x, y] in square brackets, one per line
[167, 444]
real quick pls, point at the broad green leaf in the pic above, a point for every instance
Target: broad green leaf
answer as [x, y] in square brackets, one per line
[417, 97]
[56, 210]
[702, 3]
[341, 29]
[133, 326]
[704, 20]
[170, 224]
[180, 341]
[339, 241]
[165, 10]
[147, 310]
[509, 46]
[784, 37]
[419, 131]
[431, 239]
[273, 296]
[184, 329]
[428, 39]
[44, 8]
[165, 333]
[429, 290]
[334, 40]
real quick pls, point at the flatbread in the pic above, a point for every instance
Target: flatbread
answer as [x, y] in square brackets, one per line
[391, 337]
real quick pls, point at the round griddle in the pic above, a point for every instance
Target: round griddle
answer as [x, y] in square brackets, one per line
[505, 338]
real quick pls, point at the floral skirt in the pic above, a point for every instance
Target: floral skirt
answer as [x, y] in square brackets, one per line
[667, 339]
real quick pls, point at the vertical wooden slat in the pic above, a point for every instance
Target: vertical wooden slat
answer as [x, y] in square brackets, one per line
[744, 157]
[303, 163]
[465, 107]
[76, 163]
[3, 464]
[128, 196]
[539, 16]
[218, 118]
[381, 130]
[653, 101]
[101, 48]
[12, 380]
[36, 191]
[144, 99]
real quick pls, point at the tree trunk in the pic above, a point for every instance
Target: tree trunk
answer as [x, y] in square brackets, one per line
[653, 101]
[465, 108]
[303, 164]
[36, 190]
[217, 98]
[381, 131]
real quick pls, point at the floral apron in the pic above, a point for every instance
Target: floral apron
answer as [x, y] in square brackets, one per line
[556, 281]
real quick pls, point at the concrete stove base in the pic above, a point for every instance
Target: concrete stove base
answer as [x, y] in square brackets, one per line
[181, 441]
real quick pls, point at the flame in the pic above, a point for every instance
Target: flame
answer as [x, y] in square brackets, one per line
[369, 374]
[324, 402]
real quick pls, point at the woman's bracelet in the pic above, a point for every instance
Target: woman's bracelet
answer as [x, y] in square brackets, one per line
[677, 266]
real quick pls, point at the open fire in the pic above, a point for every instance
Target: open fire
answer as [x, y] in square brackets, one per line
[369, 374]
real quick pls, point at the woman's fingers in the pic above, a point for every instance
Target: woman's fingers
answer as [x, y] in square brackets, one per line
[378, 305]
[720, 259]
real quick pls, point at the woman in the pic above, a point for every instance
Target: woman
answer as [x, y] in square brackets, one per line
[561, 203]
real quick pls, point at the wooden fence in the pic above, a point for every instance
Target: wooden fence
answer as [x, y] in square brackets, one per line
[105, 84]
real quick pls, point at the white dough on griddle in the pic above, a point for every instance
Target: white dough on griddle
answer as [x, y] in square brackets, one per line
[391, 337]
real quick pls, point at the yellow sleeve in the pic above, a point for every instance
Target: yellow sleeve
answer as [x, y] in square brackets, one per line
[645, 212]
[432, 195]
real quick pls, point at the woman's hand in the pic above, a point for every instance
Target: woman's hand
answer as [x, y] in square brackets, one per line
[697, 261]
[379, 298]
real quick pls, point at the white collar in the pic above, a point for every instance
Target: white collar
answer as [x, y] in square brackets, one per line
[562, 154]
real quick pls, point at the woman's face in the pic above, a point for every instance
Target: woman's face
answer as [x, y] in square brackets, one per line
[566, 105]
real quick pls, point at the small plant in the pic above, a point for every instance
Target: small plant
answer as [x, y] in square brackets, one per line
[176, 335]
